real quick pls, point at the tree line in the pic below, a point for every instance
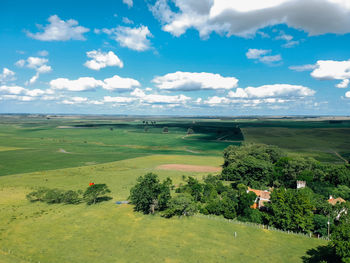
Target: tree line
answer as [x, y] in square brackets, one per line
[93, 194]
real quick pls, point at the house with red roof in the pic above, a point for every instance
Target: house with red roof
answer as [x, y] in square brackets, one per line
[262, 196]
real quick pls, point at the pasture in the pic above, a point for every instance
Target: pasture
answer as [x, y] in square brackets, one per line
[106, 232]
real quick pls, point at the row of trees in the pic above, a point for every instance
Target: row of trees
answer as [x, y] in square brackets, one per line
[93, 194]
[289, 209]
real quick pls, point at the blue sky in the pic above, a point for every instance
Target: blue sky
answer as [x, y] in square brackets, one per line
[210, 57]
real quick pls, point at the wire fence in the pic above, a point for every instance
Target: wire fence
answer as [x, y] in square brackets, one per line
[260, 226]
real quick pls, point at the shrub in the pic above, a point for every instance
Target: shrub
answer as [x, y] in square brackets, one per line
[37, 195]
[71, 197]
[53, 196]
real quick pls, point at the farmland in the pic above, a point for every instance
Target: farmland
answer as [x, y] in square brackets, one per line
[38, 143]
[33, 232]
[69, 152]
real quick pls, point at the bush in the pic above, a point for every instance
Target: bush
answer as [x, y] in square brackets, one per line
[54, 196]
[71, 197]
[181, 205]
[37, 195]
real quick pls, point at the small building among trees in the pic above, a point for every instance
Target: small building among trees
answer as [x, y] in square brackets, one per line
[262, 196]
[334, 201]
[301, 184]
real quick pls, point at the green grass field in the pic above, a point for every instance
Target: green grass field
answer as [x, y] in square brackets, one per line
[106, 232]
[69, 152]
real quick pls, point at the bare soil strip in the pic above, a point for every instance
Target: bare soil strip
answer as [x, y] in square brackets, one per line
[189, 168]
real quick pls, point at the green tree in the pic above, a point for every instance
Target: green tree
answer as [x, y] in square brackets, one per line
[195, 188]
[340, 239]
[337, 174]
[95, 193]
[245, 201]
[181, 205]
[164, 195]
[321, 225]
[291, 210]
[288, 170]
[251, 164]
[149, 195]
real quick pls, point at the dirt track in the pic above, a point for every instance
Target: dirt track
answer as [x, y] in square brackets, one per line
[189, 168]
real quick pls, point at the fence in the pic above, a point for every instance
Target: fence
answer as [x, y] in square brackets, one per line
[260, 226]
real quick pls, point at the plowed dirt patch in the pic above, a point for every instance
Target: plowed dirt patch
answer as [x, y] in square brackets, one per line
[189, 168]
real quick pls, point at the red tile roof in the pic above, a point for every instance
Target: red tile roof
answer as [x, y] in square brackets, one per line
[333, 201]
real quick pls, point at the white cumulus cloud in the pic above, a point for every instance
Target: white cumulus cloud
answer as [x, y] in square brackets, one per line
[12, 90]
[118, 99]
[129, 3]
[307, 67]
[23, 94]
[344, 84]
[136, 38]
[60, 30]
[190, 81]
[272, 91]
[80, 84]
[159, 99]
[245, 18]
[261, 55]
[333, 70]
[127, 21]
[115, 83]
[36, 63]
[101, 59]
[7, 75]
[75, 100]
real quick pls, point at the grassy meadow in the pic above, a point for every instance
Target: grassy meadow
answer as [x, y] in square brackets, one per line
[69, 152]
[106, 232]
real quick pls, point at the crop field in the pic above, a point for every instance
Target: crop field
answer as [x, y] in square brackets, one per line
[38, 143]
[41, 144]
[69, 152]
[324, 140]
